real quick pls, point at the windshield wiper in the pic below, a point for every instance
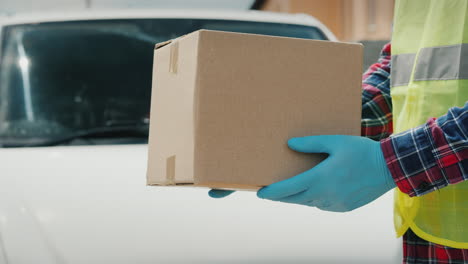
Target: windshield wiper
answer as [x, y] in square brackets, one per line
[140, 131]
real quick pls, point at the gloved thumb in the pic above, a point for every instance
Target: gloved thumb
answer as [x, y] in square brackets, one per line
[311, 144]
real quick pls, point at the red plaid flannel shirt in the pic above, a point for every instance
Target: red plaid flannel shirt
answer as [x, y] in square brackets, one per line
[417, 250]
[421, 160]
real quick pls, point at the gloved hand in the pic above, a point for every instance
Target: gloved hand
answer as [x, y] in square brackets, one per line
[354, 174]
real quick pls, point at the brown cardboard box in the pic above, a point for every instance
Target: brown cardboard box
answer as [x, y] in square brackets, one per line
[225, 104]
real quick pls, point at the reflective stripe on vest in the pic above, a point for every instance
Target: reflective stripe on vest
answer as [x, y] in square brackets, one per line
[430, 75]
[402, 65]
[444, 69]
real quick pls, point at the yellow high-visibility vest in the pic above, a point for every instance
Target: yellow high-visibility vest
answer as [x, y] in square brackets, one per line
[429, 76]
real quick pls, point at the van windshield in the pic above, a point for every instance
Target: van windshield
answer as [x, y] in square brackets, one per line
[89, 82]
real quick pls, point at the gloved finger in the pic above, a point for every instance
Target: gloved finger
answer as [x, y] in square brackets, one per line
[346, 206]
[284, 188]
[313, 144]
[298, 198]
[332, 209]
[214, 193]
[319, 203]
[296, 184]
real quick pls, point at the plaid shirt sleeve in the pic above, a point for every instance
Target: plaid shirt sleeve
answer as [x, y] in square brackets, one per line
[376, 122]
[422, 159]
[431, 156]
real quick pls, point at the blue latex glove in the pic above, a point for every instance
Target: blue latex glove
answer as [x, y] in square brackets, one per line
[354, 174]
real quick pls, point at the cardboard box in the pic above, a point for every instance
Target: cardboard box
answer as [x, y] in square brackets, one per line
[225, 104]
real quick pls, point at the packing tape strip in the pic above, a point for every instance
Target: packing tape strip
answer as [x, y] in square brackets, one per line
[170, 170]
[174, 58]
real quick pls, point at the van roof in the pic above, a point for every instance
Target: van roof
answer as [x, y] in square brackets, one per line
[248, 15]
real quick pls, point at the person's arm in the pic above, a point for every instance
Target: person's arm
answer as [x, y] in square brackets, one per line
[442, 143]
[431, 156]
[376, 120]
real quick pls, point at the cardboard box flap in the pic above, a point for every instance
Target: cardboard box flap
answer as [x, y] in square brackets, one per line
[167, 42]
[162, 44]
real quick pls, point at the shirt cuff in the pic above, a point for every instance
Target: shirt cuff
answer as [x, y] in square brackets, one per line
[411, 159]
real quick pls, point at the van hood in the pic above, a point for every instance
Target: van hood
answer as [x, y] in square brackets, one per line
[90, 204]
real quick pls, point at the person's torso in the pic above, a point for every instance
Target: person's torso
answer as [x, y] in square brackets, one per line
[429, 76]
